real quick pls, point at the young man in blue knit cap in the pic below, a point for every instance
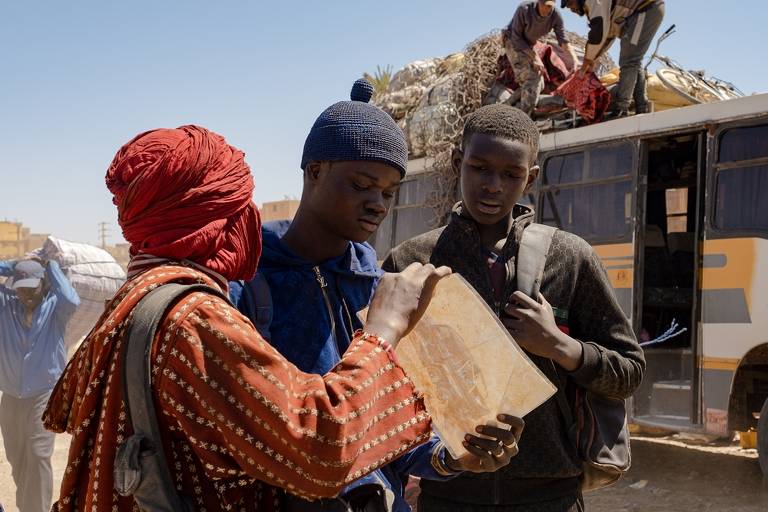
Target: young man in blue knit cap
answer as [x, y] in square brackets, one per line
[317, 272]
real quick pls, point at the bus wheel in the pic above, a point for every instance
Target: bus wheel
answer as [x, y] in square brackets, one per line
[762, 439]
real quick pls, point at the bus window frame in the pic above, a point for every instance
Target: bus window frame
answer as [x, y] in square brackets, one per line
[396, 207]
[714, 137]
[632, 176]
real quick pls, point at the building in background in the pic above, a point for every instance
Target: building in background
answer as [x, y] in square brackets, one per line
[17, 240]
[121, 253]
[284, 209]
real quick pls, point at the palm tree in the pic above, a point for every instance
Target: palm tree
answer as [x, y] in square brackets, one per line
[380, 79]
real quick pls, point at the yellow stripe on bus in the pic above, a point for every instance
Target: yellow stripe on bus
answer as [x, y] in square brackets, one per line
[719, 363]
[618, 255]
[612, 251]
[738, 272]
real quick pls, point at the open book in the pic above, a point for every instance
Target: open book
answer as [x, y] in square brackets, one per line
[467, 365]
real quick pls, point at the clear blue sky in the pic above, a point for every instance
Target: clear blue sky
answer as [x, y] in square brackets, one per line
[81, 78]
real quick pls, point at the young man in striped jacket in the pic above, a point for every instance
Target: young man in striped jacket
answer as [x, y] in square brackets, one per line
[635, 22]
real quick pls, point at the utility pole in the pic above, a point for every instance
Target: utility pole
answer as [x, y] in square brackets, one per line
[103, 233]
[19, 251]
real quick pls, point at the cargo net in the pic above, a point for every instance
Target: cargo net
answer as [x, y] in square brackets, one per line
[430, 99]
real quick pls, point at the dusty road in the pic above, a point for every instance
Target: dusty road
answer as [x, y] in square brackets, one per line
[667, 475]
[8, 489]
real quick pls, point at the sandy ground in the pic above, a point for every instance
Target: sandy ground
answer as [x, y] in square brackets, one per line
[8, 489]
[667, 475]
[670, 475]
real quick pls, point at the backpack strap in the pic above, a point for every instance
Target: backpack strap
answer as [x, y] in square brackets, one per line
[259, 297]
[531, 258]
[141, 468]
[595, 425]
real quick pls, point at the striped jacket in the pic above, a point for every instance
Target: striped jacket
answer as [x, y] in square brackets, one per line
[606, 18]
[238, 421]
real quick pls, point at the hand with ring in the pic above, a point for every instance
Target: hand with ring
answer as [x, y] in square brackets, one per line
[491, 452]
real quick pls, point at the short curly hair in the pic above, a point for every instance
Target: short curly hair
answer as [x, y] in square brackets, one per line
[503, 121]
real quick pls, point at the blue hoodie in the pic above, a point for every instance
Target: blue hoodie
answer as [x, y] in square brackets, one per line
[312, 317]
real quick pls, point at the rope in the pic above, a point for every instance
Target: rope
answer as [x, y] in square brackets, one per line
[668, 335]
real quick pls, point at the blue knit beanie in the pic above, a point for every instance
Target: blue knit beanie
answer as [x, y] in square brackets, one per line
[356, 130]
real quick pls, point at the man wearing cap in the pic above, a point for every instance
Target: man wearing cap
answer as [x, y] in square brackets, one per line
[532, 21]
[635, 22]
[33, 315]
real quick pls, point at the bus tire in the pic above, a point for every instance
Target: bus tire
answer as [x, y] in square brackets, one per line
[762, 439]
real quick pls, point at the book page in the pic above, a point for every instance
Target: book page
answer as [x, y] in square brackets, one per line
[467, 365]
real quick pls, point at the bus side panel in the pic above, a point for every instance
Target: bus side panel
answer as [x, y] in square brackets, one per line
[734, 318]
[619, 262]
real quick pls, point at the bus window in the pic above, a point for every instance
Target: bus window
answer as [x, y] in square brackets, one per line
[412, 216]
[593, 212]
[740, 199]
[593, 164]
[607, 162]
[528, 200]
[745, 143]
[589, 193]
[382, 239]
[564, 169]
[741, 182]
[414, 191]
[412, 222]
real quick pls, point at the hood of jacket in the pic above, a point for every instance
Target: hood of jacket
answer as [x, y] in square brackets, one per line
[308, 311]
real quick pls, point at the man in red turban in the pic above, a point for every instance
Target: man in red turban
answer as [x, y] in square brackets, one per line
[237, 420]
[185, 194]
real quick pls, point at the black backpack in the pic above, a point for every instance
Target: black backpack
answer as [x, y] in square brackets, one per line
[597, 425]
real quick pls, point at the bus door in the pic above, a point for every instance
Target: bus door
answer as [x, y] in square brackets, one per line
[667, 292]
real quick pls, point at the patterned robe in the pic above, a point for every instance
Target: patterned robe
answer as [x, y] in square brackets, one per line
[238, 420]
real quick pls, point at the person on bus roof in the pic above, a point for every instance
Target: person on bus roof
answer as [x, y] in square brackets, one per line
[575, 327]
[532, 21]
[317, 272]
[635, 22]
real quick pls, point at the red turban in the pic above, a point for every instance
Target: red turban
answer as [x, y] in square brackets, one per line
[186, 194]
